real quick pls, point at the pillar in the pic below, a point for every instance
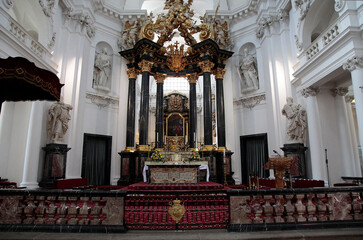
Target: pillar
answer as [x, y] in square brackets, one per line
[347, 158]
[159, 77]
[33, 146]
[317, 157]
[206, 67]
[144, 105]
[355, 66]
[130, 131]
[221, 129]
[192, 78]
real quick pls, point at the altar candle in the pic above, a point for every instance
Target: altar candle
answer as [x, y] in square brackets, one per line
[157, 138]
[224, 155]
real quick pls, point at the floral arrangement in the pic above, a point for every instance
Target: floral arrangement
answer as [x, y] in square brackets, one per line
[157, 157]
[194, 156]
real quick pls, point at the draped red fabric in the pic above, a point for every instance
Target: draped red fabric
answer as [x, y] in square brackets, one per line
[21, 80]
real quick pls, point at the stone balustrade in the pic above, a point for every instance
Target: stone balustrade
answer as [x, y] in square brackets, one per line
[56, 207]
[322, 41]
[289, 207]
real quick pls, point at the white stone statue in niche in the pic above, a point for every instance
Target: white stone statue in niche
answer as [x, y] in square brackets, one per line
[296, 117]
[102, 71]
[58, 122]
[248, 73]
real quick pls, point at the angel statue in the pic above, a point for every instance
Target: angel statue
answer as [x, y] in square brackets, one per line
[130, 34]
[248, 72]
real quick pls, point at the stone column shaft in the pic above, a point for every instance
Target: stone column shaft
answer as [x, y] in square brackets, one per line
[192, 78]
[130, 131]
[206, 67]
[221, 129]
[144, 105]
[159, 109]
[317, 158]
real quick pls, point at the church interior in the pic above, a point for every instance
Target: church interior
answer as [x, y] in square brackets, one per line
[238, 115]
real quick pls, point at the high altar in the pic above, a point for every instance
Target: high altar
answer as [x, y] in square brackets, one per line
[176, 114]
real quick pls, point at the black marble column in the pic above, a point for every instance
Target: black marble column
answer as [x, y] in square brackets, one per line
[130, 131]
[206, 67]
[159, 109]
[192, 78]
[221, 129]
[144, 105]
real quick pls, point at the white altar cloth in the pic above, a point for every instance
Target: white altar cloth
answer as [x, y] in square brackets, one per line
[203, 166]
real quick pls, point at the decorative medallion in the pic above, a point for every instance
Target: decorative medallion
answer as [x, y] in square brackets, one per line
[176, 210]
[175, 103]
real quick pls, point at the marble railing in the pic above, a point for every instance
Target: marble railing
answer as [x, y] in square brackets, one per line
[39, 208]
[322, 41]
[290, 208]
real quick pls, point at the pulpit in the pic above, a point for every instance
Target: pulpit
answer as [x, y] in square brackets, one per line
[279, 165]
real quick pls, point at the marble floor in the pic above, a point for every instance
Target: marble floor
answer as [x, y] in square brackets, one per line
[318, 234]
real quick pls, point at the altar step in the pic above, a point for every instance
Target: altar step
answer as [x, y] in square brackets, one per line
[203, 210]
[144, 186]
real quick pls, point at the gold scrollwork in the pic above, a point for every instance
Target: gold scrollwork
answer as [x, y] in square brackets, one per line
[206, 66]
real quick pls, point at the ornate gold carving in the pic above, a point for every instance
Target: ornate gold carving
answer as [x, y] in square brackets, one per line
[175, 103]
[223, 149]
[206, 66]
[160, 77]
[143, 148]
[129, 149]
[130, 34]
[132, 72]
[219, 73]
[207, 148]
[176, 210]
[176, 57]
[192, 77]
[146, 65]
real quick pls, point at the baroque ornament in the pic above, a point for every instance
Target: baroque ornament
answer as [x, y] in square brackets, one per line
[176, 60]
[310, 91]
[83, 19]
[176, 210]
[340, 91]
[353, 63]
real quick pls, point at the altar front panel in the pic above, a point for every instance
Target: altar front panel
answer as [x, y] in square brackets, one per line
[173, 174]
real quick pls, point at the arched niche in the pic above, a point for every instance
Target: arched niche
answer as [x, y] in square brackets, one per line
[321, 14]
[102, 67]
[247, 86]
[30, 16]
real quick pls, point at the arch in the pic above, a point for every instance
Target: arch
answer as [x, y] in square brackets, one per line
[321, 14]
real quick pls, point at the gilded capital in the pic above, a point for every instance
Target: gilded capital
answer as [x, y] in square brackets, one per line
[160, 77]
[192, 77]
[145, 65]
[206, 66]
[219, 73]
[132, 72]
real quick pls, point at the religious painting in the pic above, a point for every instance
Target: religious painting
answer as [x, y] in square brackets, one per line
[175, 124]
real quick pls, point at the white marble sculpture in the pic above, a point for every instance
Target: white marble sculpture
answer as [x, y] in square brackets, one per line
[296, 117]
[102, 70]
[248, 73]
[59, 117]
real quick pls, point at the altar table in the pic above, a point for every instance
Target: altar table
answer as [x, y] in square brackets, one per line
[203, 165]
